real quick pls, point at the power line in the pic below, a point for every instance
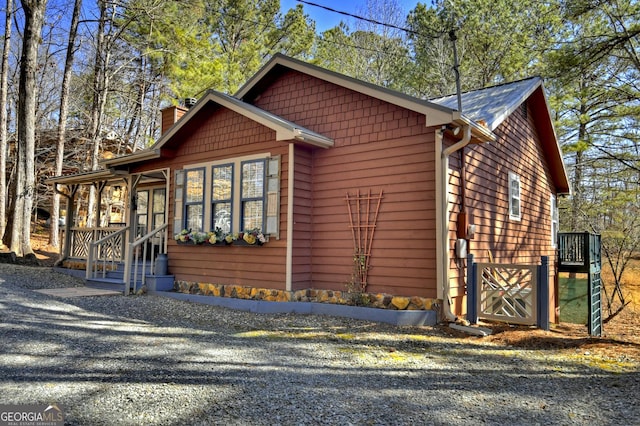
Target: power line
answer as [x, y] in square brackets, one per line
[373, 21]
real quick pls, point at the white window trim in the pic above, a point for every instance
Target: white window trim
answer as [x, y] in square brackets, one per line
[555, 220]
[208, 178]
[515, 178]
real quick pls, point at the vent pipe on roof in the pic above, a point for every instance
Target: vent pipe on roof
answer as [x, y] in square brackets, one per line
[189, 102]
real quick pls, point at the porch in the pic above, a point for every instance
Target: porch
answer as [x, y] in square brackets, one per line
[128, 251]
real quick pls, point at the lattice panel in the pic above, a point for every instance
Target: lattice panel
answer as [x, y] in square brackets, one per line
[111, 248]
[507, 293]
[80, 240]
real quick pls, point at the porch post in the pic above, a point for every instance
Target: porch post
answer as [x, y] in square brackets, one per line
[472, 291]
[99, 187]
[73, 189]
[132, 184]
[167, 182]
[543, 293]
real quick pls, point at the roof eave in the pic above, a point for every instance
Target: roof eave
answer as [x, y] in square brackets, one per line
[147, 154]
[84, 178]
[313, 139]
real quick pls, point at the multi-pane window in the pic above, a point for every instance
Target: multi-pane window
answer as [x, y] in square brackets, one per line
[142, 204]
[235, 195]
[194, 199]
[158, 207]
[514, 196]
[222, 197]
[252, 198]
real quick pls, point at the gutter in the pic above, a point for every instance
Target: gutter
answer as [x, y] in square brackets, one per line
[444, 218]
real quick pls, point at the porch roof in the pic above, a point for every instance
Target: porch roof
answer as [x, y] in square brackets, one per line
[89, 177]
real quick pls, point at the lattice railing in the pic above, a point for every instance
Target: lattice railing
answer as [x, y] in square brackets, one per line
[507, 293]
[81, 239]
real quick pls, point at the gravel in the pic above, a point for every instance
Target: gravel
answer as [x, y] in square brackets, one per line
[154, 360]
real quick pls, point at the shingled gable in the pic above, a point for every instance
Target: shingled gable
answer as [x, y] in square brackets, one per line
[285, 130]
[436, 115]
[494, 104]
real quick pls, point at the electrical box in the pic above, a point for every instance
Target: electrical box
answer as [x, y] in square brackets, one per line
[465, 228]
[461, 248]
[471, 231]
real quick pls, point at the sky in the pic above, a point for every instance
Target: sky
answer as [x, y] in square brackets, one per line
[326, 19]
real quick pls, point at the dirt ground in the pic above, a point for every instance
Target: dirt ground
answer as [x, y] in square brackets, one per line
[620, 339]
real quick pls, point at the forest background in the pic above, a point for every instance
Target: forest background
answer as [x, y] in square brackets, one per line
[79, 78]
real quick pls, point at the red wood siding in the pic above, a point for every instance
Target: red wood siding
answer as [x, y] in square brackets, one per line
[226, 135]
[302, 213]
[378, 146]
[518, 150]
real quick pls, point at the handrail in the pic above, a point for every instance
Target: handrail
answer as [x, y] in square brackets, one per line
[133, 257]
[112, 257]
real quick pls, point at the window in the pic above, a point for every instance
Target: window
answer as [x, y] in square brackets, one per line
[554, 220]
[158, 207]
[194, 200]
[142, 204]
[252, 199]
[514, 196]
[235, 195]
[222, 197]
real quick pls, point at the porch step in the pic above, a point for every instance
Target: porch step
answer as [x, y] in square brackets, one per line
[154, 283]
[106, 284]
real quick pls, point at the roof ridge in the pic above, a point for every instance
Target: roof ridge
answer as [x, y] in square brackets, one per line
[506, 83]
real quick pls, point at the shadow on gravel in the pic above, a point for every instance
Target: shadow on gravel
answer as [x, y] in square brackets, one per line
[118, 359]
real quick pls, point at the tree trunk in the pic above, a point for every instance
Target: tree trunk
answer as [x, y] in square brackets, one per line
[4, 85]
[25, 183]
[62, 122]
[99, 101]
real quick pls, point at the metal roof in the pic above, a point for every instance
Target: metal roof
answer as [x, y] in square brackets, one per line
[492, 104]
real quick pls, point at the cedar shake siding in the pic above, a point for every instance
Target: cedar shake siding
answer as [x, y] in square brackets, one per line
[223, 134]
[378, 146]
[518, 150]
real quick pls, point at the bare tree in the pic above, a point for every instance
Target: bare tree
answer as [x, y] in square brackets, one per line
[4, 84]
[100, 84]
[62, 121]
[25, 179]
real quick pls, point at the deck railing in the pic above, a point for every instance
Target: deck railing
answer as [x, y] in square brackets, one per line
[578, 252]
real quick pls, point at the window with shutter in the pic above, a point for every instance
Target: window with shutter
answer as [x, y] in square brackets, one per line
[234, 195]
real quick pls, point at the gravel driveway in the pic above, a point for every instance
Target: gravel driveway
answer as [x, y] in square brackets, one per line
[147, 360]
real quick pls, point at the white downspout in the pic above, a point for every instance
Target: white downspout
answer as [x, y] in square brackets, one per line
[444, 215]
[290, 187]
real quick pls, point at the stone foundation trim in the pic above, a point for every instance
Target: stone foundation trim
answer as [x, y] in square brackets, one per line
[369, 300]
[394, 317]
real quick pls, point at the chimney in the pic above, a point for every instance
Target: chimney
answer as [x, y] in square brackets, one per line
[170, 116]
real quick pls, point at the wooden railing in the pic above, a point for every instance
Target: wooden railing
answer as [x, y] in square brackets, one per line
[509, 293]
[138, 252]
[105, 253]
[578, 252]
[81, 239]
